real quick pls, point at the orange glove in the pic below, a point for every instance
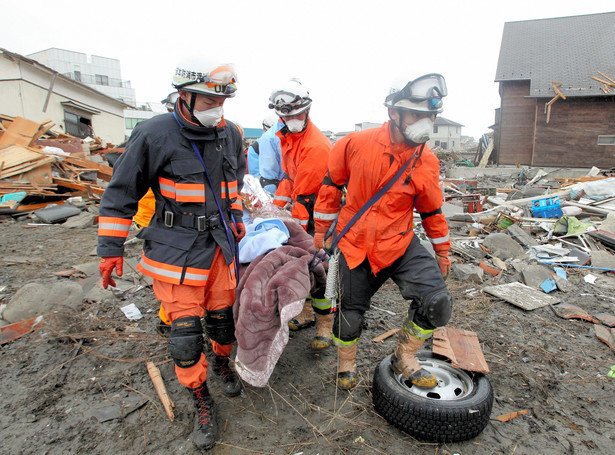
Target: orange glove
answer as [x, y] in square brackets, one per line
[444, 262]
[106, 268]
[240, 231]
[320, 242]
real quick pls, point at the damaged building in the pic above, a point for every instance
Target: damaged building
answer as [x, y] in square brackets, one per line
[557, 90]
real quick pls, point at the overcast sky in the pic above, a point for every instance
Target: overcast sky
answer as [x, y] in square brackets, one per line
[346, 52]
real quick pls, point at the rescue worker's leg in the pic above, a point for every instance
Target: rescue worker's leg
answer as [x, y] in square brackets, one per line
[419, 279]
[324, 320]
[304, 319]
[357, 287]
[219, 323]
[183, 305]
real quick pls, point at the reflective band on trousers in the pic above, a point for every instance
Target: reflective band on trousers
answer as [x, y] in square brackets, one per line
[113, 227]
[321, 304]
[440, 240]
[172, 273]
[344, 344]
[325, 216]
[417, 332]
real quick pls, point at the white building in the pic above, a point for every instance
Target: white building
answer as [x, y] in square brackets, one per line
[35, 91]
[102, 73]
[143, 112]
[446, 134]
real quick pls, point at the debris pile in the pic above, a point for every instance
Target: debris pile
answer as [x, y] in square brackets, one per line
[534, 239]
[39, 166]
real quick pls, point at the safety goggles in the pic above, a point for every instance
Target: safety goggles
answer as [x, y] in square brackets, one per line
[222, 79]
[289, 107]
[426, 87]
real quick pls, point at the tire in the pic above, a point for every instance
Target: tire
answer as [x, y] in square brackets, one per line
[457, 409]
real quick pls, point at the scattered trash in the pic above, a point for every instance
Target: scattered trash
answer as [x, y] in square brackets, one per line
[511, 415]
[132, 312]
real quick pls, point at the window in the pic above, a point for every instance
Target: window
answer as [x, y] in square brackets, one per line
[606, 140]
[437, 143]
[435, 129]
[77, 125]
[101, 79]
[132, 122]
[77, 75]
[444, 145]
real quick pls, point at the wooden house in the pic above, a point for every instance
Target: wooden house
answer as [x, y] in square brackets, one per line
[557, 91]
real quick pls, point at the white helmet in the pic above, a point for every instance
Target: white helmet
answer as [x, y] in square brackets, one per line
[270, 120]
[169, 101]
[206, 77]
[423, 94]
[290, 100]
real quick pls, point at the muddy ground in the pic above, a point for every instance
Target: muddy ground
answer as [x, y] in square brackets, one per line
[55, 379]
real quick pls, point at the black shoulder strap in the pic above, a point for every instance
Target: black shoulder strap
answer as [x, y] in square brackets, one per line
[256, 147]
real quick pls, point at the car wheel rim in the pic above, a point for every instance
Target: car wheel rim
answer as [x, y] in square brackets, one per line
[452, 383]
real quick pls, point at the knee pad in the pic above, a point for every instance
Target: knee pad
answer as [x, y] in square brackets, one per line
[347, 325]
[435, 310]
[220, 325]
[186, 341]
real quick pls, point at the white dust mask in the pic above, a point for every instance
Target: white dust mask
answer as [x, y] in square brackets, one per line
[419, 131]
[295, 126]
[210, 117]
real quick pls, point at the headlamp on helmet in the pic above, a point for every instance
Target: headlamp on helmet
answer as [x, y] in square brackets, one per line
[292, 99]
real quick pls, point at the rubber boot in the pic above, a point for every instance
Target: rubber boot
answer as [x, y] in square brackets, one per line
[231, 386]
[405, 363]
[205, 427]
[347, 368]
[324, 328]
[305, 319]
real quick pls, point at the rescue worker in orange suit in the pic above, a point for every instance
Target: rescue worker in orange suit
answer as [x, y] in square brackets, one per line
[305, 151]
[193, 161]
[381, 244]
[145, 212]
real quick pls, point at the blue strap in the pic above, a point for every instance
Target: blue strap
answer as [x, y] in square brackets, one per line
[234, 251]
[415, 157]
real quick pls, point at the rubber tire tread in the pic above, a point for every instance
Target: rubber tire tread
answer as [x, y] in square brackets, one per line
[427, 419]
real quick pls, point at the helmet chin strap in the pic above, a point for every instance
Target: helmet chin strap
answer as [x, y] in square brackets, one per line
[190, 107]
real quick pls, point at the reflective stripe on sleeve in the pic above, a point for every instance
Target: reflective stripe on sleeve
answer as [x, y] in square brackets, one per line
[282, 198]
[113, 227]
[325, 216]
[440, 240]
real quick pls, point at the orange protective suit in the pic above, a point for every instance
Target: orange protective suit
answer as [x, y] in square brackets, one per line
[182, 300]
[384, 232]
[304, 160]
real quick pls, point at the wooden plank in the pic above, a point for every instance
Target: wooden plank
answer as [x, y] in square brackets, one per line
[18, 170]
[521, 295]
[104, 172]
[13, 155]
[385, 335]
[19, 132]
[461, 347]
[67, 183]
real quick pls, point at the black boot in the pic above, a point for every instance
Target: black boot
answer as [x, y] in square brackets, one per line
[231, 386]
[205, 427]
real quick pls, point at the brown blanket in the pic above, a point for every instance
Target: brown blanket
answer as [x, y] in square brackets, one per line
[271, 291]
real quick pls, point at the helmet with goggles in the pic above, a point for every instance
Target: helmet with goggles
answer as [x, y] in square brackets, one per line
[423, 94]
[290, 100]
[207, 78]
